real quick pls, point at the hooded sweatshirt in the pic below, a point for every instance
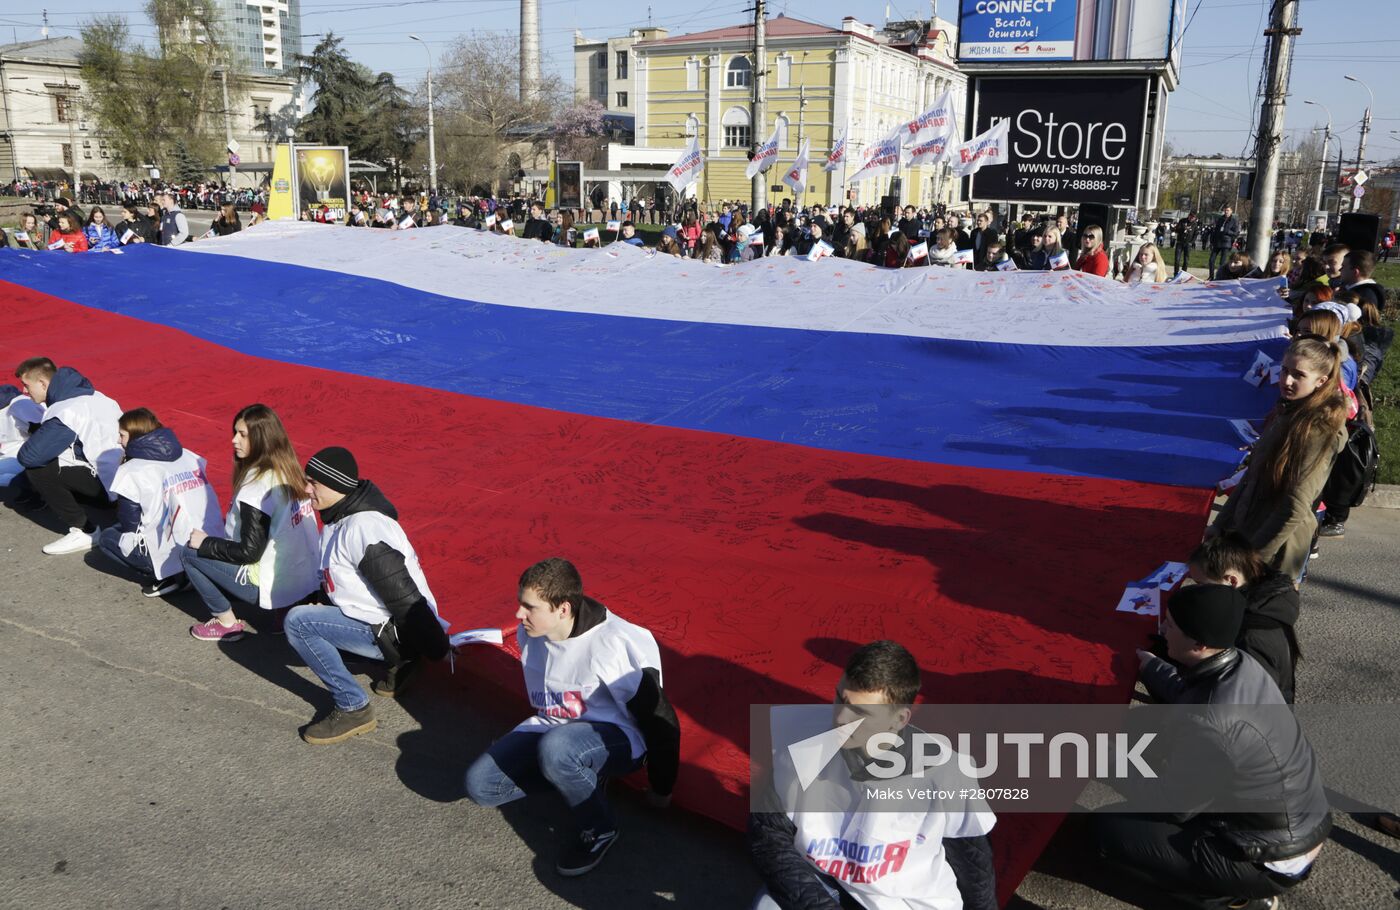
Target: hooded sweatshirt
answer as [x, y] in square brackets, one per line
[1267, 633]
[18, 412]
[163, 494]
[79, 428]
[371, 572]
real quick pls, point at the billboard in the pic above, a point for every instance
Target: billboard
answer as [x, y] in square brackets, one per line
[1072, 139]
[1011, 31]
[323, 182]
[570, 178]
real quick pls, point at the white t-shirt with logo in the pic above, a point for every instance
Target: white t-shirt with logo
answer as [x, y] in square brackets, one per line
[93, 418]
[343, 545]
[15, 419]
[885, 858]
[289, 569]
[175, 499]
[591, 677]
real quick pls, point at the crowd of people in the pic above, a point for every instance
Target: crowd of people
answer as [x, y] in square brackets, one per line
[190, 195]
[315, 551]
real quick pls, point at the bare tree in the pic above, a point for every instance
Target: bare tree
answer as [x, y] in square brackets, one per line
[476, 94]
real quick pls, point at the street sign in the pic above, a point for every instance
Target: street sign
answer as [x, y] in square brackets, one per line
[1361, 177]
[1359, 192]
[233, 160]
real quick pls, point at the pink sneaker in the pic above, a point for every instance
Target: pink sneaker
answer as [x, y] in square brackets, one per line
[213, 630]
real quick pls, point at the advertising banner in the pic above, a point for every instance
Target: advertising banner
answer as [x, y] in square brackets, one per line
[570, 176]
[1072, 140]
[323, 182]
[1017, 30]
[1011, 31]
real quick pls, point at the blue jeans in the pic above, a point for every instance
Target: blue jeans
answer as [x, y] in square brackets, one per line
[764, 901]
[319, 633]
[574, 758]
[215, 580]
[109, 542]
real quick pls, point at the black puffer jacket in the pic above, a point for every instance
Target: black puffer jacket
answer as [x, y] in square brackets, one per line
[413, 629]
[1262, 767]
[1267, 634]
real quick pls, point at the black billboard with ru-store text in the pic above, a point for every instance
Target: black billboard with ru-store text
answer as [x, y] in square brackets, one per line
[1072, 140]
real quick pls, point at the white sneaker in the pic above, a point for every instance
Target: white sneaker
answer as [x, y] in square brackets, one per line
[75, 541]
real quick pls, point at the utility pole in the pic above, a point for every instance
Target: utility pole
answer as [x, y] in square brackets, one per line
[1281, 33]
[759, 191]
[228, 133]
[72, 103]
[1322, 160]
[1365, 131]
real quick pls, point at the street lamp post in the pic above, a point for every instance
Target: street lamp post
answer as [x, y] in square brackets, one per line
[1365, 131]
[1326, 142]
[432, 143]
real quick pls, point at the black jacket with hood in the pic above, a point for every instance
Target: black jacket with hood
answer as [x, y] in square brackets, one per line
[1267, 634]
[52, 438]
[413, 629]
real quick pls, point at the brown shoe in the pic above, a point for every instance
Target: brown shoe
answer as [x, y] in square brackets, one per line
[338, 726]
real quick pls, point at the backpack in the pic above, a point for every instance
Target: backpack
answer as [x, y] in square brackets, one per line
[1354, 472]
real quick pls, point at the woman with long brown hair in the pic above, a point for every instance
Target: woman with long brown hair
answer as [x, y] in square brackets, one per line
[227, 222]
[1273, 505]
[270, 554]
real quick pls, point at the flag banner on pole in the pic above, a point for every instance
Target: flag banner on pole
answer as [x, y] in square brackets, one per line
[963, 257]
[988, 148]
[939, 120]
[929, 150]
[688, 166]
[883, 157]
[837, 156]
[767, 154]
[796, 176]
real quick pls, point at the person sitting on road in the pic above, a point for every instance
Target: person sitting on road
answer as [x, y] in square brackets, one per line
[803, 857]
[1212, 851]
[594, 680]
[379, 606]
[269, 554]
[163, 493]
[19, 414]
[74, 453]
[1271, 604]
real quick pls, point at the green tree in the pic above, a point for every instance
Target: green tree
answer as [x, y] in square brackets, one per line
[354, 107]
[162, 105]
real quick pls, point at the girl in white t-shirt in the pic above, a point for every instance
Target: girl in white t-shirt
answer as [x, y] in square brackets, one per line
[163, 493]
[270, 552]
[17, 412]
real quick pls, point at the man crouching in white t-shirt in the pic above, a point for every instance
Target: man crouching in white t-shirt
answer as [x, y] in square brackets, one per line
[594, 680]
[379, 602]
[858, 851]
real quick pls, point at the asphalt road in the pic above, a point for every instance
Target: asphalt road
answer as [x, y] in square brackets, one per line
[140, 768]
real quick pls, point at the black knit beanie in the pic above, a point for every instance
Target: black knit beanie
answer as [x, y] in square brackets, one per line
[335, 468]
[1209, 614]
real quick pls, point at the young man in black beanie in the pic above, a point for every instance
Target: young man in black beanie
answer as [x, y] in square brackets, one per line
[1212, 851]
[379, 604]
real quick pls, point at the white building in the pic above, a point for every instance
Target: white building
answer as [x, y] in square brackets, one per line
[45, 131]
[603, 69]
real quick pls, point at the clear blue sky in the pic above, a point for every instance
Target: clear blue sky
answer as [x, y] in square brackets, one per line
[1210, 112]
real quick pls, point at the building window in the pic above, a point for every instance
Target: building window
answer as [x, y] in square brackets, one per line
[622, 64]
[737, 137]
[67, 155]
[63, 108]
[692, 75]
[692, 126]
[622, 100]
[737, 132]
[739, 73]
[602, 59]
[784, 71]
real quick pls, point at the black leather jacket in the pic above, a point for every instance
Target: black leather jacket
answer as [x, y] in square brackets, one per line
[1265, 760]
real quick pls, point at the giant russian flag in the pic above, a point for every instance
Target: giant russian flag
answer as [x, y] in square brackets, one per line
[767, 464]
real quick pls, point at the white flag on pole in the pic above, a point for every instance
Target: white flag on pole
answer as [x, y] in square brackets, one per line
[796, 176]
[883, 157]
[939, 120]
[988, 148]
[837, 155]
[767, 154]
[688, 166]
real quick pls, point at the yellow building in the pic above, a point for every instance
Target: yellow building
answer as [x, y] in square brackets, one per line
[820, 81]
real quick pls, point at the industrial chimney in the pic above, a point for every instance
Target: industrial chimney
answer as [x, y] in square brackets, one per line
[529, 49]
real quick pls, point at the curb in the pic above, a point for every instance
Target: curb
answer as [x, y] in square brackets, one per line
[1385, 496]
